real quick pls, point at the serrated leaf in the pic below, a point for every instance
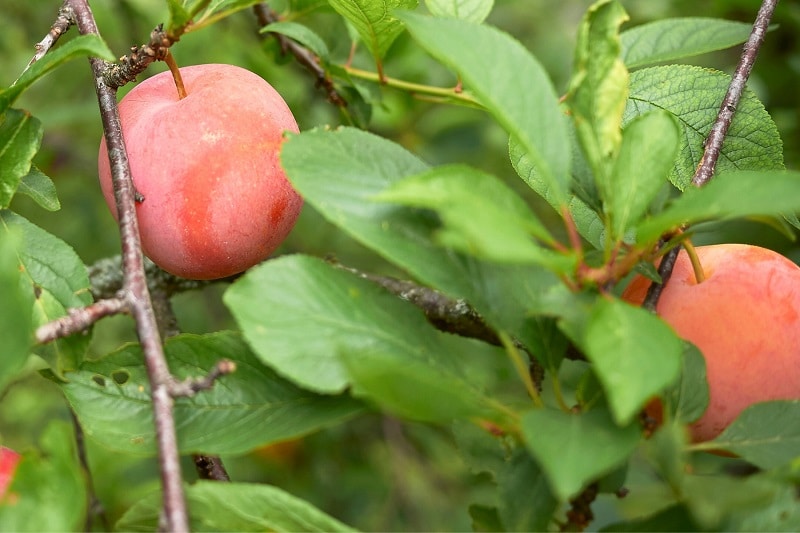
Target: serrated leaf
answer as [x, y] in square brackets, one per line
[302, 34]
[49, 488]
[646, 156]
[575, 449]
[217, 506]
[365, 338]
[52, 272]
[634, 354]
[729, 195]
[481, 216]
[766, 434]
[15, 316]
[39, 187]
[248, 408]
[472, 10]
[599, 88]
[20, 137]
[677, 38]
[693, 95]
[511, 84]
[375, 21]
[81, 46]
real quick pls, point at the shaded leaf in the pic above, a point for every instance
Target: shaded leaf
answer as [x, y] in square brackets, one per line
[513, 87]
[729, 195]
[676, 38]
[39, 187]
[302, 34]
[634, 354]
[375, 21]
[217, 506]
[670, 519]
[646, 156]
[472, 10]
[526, 502]
[53, 273]
[249, 408]
[15, 312]
[20, 137]
[575, 449]
[81, 46]
[693, 95]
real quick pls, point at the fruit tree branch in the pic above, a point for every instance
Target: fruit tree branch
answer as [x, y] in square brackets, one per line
[135, 289]
[716, 136]
[65, 19]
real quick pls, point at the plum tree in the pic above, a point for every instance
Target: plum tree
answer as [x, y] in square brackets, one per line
[215, 199]
[745, 319]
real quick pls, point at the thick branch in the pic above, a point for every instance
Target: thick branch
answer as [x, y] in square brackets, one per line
[139, 59]
[135, 287]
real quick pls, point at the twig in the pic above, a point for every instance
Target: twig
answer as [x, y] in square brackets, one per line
[79, 319]
[190, 387]
[716, 136]
[130, 66]
[135, 289]
[64, 20]
[305, 57]
[210, 467]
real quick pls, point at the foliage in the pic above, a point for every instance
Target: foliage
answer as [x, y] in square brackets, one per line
[457, 165]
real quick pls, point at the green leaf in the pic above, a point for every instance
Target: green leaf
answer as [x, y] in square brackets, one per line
[511, 84]
[217, 10]
[15, 312]
[599, 88]
[248, 408]
[54, 274]
[766, 434]
[676, 38]
[688, 397]
[472, 10]
[526, 502]
[302, 34]
[713, 499]
[81, 46]
[647, 154]
[634, 354]
[49, 486]
[20, 137]
[481, 216]
[670, 519]
[217, 506]
[729, 195]
[363, 337]
[693, 95]
[375, 21]
[179, 16]
[576, 449]
[39, 187]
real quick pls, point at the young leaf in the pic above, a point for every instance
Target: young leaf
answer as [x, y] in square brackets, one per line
[179, 16]
[250, 407]
[646, 156]
[599, 88]
[472, 10]
[15, 312]
[20, 137]
[766, 434]
[363, 337]
[729, 195]
[235, 507]
[511, 84]
[575, 449]
[52, 272]
[39, 187]
[676, 38]
[481, 216]
[81, 46]
[693, 95]
[375, 21]
[302, 34]
[634, 354]
[49, 487]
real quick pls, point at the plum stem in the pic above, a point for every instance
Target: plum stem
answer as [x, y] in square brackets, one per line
[697, 267]
[169, 59]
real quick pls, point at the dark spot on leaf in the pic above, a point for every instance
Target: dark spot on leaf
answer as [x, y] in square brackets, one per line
[100, 380]
[37, 291]
[120, 377]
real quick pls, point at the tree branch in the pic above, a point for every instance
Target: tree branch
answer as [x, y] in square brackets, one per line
[716, 136]
[64, 20]
[135, 290]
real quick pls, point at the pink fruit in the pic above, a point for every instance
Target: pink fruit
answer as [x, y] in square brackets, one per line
[745, 318]
[216, 200]
[8, 465]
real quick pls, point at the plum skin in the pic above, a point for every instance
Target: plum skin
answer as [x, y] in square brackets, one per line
[216, 200]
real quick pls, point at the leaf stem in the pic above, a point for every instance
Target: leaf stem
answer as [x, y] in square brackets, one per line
[415, 88]
[522, 368]
[697, 267]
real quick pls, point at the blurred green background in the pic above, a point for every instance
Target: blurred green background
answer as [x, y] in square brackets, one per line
[375, 473]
